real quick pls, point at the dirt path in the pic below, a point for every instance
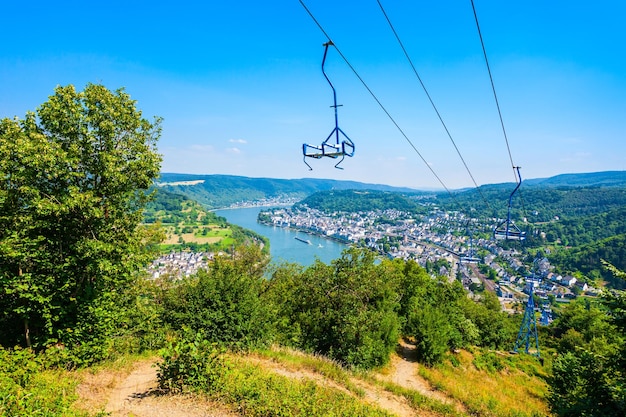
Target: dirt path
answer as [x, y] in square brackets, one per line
[404, 372]
[135, 395]
[372, 394]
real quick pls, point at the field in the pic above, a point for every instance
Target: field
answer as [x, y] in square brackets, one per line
[201, 234]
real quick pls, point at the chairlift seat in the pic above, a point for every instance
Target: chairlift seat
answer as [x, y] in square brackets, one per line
[312, 151]
[331, 150]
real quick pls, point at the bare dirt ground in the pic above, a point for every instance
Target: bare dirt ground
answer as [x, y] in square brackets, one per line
[134, 393]
[404, 372]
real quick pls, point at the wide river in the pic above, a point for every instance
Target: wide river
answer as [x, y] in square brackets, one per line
[283, 243]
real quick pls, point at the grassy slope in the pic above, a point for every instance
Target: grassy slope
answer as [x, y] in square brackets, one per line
[286, 382]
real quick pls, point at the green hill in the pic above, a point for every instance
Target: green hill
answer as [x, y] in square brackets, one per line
[218, 191]
[354, 201]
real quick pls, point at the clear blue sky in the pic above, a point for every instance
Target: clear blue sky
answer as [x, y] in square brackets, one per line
[239, 85]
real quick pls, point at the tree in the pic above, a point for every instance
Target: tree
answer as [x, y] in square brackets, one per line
[588, 375]
[73, 182]
[346, 310]
[224, 303]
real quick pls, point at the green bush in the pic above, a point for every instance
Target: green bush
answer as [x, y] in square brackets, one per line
[224, 302]
[28, 389]
[346, 311]
[489, 362]
[191, 365]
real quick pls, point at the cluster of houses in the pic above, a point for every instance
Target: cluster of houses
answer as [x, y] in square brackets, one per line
[398, 236]
[428, 239]
[432, 238]
[176, 265]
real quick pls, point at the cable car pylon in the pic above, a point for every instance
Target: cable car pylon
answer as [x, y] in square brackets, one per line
[527, 335]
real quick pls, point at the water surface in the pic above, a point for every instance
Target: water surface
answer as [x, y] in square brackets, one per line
[283, 245]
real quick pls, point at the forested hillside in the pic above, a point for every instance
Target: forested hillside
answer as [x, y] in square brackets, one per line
[537, 204]
[588, 259]
[218, 191]
[592, 179]
[353, 201]
[187, 225]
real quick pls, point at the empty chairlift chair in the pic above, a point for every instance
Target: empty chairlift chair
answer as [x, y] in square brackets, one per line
[507, 230]
[341, 146]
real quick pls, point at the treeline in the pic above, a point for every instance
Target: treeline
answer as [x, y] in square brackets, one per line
[353, 201]
[536, 204]
[353, 310]
[582, 230]
[587, 259]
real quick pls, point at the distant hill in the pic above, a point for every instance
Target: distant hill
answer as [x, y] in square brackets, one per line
[355, 201]
[592, 179]
[215, 191]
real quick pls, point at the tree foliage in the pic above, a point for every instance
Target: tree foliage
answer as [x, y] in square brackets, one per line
[355, 309]
[73, 181]
[588, 375]
[353, 201]
[346, 310]
[223, 302]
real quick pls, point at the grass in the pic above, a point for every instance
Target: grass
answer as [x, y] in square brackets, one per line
[315, 363]
[486, 383]
[256, 392]
[200, 234]
[421, 402]
[344, 377]
[491, 384]
[28, 388]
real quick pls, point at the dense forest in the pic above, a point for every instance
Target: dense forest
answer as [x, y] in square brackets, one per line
[353, 201]
[536, 204]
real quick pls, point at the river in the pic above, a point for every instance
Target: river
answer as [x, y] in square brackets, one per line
[283, 243]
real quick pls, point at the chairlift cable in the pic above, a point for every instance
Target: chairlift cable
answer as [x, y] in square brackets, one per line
[432, 103]
[377, 100]
[495, 96]
[493, 88]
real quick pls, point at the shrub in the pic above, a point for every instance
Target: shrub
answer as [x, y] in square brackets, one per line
[190, 365]
[28, 389]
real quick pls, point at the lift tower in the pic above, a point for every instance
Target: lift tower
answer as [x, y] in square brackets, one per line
[527, 334]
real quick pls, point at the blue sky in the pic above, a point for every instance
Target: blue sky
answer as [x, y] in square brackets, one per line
[239, 85]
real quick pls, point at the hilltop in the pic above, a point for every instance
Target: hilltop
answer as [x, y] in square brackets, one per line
[218, 191]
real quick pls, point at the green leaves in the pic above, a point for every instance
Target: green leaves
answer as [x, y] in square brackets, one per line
[588, 375]
[224, 302]
[73, 182]
[346, 310]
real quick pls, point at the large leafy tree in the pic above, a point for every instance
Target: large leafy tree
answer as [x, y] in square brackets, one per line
[73, 181]
[346, 310]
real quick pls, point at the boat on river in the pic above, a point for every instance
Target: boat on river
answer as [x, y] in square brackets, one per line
[299, 239]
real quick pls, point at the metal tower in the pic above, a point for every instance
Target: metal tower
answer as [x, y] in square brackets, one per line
[528, 329]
